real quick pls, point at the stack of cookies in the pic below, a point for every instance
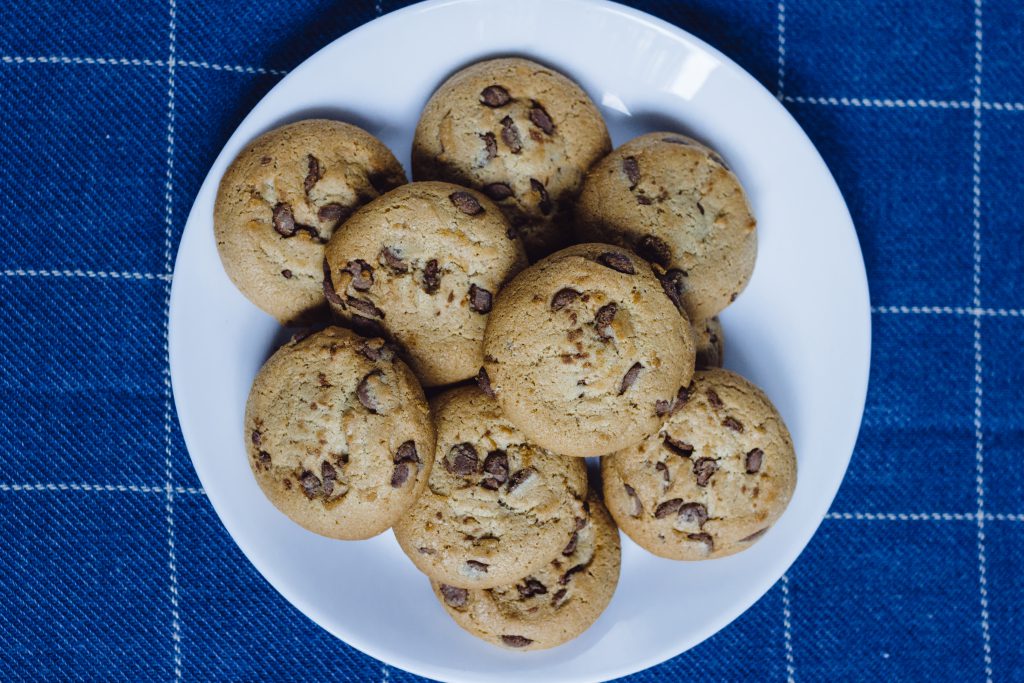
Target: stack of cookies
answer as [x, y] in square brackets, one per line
[533, 299]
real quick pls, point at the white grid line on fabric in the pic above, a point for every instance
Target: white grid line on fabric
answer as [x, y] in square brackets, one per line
[979, 434]
[951, 310]
[897, 103]
[788, 631]
[172, 560]
[122, 61]
[101, 274]
[109, 488]
[781, 18]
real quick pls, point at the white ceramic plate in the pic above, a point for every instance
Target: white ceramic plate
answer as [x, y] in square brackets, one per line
[801, 329]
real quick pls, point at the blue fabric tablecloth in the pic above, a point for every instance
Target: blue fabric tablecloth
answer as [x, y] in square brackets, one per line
[113, 566]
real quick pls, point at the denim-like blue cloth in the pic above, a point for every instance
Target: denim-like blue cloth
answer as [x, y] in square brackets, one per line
[105, 574]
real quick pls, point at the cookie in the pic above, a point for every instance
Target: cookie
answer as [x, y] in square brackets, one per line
[523, 134]
[710, 343]
[719, 473]
[584, 351]
[556, 602]
[496, 507]
[339, 434]
[281, 200]
[423, 264]
[676, 203]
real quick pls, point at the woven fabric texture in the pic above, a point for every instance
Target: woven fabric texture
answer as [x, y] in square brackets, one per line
[113, 566]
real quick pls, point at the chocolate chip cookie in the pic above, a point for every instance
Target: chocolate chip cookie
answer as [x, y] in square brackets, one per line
[719, 473]
[585, 352]
[496, 507]
[709, 339]
[520, 132]
[676, 203]
[556, 602]
[281, 200]
[339, 434]
[423, 264]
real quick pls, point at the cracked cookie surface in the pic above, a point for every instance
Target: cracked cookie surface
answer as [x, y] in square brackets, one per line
[424, 264]
[280, 201]
[676, 203]
[556, 602]
[496, 506]
[520, 132]
[585, 352]
[719, 473]
[339, 434]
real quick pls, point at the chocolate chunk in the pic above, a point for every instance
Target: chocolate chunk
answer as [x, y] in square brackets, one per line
[256, 437]
[669, 507]
[754, 536]
[313, 175]
[569, 573]
[333, 213]
[462, 460]
[732, 297]
[580, 522]
[654, 249]
[563, 298]
[478, 566]
[714, 400]
[480, 299]
[617, 261]
[663, 468]
[284, 220]
[407, 452]
[365, 394]
[490, 484]
[644, 200]
[465, 202]
[603, 320]
[329, 475]
[388, 257]
[557, 597]
[510, 134]
[704, 469]
[484, 382]
[545, 204]
[570, 547]
[700, 207]
[322, 378]
[672, 407]
[286, 274]
[674, 284]
[495, 96]
[265, 160]
[703, 538]
[264, 458]
[516, 641]
[753, 460]
[456, 597]
[519, 478]
[400, 475]
[431, 277]
[490, 144]
[426, 551]
[632, 170]
[365, 307]
[498, 191]
[362, 274]
[377, 350]
[310, 485]
[635, 507]
[540, 118]
[680, 448]
[630, 377]
[496, 465]
[329, 292]
[531, 587]
[693, 513]
[733, 424]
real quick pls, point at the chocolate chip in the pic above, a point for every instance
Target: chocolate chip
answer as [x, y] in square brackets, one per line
[714, 400]
[462, 460]
[635, 507]
[519, 478]
[265, 160]
[563, 298]
[603, 320]
[531, 587]
[496, 465]
[644, 200]
[288, 484]
[323, 380]
[407, 452]
[256, 437]
[569, 573]
[495, 96]
[545, 204]
[632, 170]
[329, 292]
[498, 191]
[377, 350]
[510, 134]
[264, 458]
[733, 424]
[310, 485]
[669, 507]
[484, 382]
[557, 597]
[426, 551]
[456, 597]
[674, 284]
[540, 118]
[313, 175]
[580, 522]
[700, 207]
[654, 249]
[286, 274]
[516, 641]
[753, 460]
[570, 548]
[329, 475]
[663, 468]
[333, 213]
[284, 220]
[365, 394]
[431, 277]
[362, 274]
[703, 538]
[365, 307]
[704, 469]
[680, 448]
[465, 202]
[478, 566]
[754, 536]
[400, 475]
[672, 407]
[387, 257]
[490, 144]
[733, 296]
[480, 299]
[630, 377]
[693, 513]
[617, 261]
